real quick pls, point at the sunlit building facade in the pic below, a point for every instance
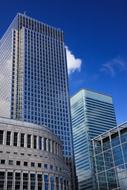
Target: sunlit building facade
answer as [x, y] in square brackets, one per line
[110, 156]
[31, 158]
[34, 79]
[92, 114]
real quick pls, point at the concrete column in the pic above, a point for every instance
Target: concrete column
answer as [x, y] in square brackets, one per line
[51, 146]
[13, 184]
[5, 180]
[32, 143]
[25, 140]
[37, 142]
[11, 139]
[57, 149]
[43, 184]
[42, 143]
[54, 145]
[18, 139]
[21, 181]
[4, 137]
[36, 182]
[29, 181]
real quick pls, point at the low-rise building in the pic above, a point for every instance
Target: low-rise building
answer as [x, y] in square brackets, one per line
[110, 156]
[31, 158]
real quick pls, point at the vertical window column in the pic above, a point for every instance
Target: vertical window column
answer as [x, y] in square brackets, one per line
[17, 180]
[10, 180]
[22, 135]
[46, 144]
[15, 139]
[65, 185]
[34, 141]
[32, 181]
[39, 181]
[2, 180]
[57, 184]
[52, 183]
[40, 142]
[49, 147]
[9, 138]
[2, 133]
[53, 147]
[29, 141]
[25, 181]
[46, 182]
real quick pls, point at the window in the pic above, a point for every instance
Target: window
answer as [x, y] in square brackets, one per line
[22, 140]
[2, 177]
[18, 163]
[45, 166]
[39, 178]
[2, 161]
[35, 142]
[32, 164]
[25, 181]
[40, 143]
[9, 180]
[39, 165]
[32, 179]
[52, 182]
[28, 141]
[1, 137]
[51, 167]
[10, 162]
[46, 181]
[15, 139]
[45, 144]
[25, 163]
[8, 138]
[17, 181]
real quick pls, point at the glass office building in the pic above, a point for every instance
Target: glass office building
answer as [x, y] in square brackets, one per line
[34, 79]
[92, 114]
[110, 156]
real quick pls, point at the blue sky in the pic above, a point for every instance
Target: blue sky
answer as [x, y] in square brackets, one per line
[96, 39]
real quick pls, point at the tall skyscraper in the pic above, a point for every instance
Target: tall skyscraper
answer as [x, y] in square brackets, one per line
[34, 80]
[92, 114]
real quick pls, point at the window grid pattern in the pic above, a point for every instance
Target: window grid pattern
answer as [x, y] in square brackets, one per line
[110, 156]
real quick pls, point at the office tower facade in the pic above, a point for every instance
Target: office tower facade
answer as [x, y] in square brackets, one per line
[110, 156]
[34, 80]
[92, 114]
[31, 158]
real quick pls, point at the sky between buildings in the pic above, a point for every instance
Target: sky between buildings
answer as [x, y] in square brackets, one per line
[95, 37]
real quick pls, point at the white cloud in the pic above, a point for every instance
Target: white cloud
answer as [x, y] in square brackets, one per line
[114, 66]
[73, 63]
